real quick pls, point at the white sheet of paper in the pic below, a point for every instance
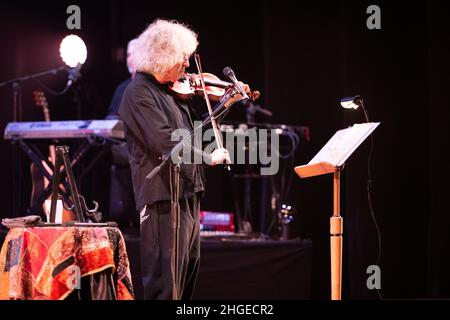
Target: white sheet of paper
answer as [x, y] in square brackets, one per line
[339, 148]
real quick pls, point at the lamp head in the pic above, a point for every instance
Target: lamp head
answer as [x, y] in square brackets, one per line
[351, 102]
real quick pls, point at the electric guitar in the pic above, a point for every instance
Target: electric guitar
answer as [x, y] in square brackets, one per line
[39, 181]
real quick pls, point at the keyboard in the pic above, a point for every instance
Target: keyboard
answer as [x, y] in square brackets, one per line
[64, 129]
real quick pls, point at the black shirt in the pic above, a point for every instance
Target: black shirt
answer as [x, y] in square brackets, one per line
[150, 113]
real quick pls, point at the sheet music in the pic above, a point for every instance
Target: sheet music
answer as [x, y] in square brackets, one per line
[343, 143]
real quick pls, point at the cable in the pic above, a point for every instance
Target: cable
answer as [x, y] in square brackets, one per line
[295, 141]
[289, 163]
[50, 90]
[369, 196]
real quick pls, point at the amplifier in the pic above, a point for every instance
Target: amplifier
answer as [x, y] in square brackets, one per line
[216, 221]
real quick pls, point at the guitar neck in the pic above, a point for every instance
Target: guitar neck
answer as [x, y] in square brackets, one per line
[46, 113]
[51, 148]
[52, 153]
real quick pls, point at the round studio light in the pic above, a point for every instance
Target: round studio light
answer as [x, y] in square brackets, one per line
[73, 51]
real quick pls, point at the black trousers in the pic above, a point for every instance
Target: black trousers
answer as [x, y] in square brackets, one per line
[156, 249]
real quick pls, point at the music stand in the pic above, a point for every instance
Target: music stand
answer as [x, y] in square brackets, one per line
[331, 159]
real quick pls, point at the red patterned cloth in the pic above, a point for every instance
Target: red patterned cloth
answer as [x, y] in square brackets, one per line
[42, 262]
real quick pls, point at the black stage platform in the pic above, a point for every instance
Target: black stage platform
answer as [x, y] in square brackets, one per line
[243, 269]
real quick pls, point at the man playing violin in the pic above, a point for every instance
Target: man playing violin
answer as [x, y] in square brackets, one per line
[151, 112]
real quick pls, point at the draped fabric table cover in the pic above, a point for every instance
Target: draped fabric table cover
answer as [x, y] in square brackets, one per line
[43, 263]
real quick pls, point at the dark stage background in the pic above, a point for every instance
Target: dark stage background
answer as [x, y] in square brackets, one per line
[303, 58]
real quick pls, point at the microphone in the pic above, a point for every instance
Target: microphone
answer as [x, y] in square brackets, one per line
[253, 108]
[263, 111]
[73, 74]
[227, 72]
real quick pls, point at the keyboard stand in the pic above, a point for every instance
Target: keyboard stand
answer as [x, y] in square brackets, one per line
[38, 159]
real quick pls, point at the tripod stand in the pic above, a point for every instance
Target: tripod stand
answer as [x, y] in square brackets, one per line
[79, 203]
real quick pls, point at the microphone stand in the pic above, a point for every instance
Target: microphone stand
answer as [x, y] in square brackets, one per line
[16, 87]
[17, 102]
[17, 117]
[246, 225]
[175, 169]
[175, 207]
[251, 110]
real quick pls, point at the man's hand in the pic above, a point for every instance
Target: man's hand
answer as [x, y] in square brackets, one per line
[220, 156]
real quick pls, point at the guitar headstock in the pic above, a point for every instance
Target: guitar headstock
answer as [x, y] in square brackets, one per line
[41, 101]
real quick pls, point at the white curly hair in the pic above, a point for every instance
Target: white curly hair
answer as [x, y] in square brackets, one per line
[162, 45]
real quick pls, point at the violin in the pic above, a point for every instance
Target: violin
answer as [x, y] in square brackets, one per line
[212, 87]
[190, 85]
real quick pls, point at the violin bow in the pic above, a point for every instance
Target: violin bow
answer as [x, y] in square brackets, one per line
[217, 134]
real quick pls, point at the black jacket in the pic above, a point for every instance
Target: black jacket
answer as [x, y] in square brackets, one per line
[150, 113]
[113, 109]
